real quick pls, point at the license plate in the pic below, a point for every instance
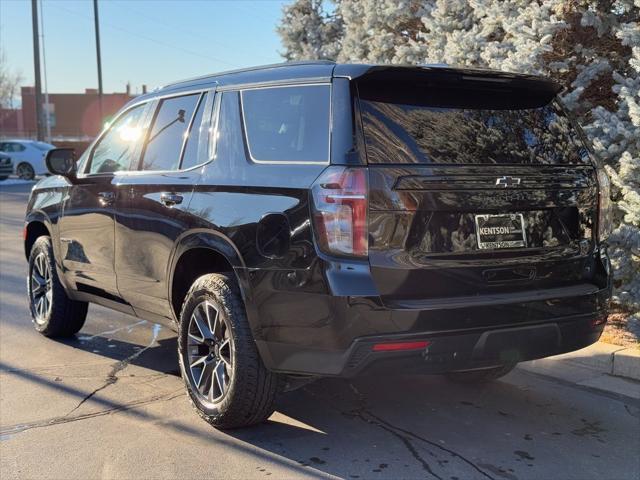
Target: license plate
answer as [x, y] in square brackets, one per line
[500, 231]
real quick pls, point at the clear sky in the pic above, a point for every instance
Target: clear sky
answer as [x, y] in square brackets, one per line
[143, 41]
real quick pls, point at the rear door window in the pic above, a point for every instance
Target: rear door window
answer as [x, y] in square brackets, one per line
[287, 124]
[417, 131]
[13, 147]
[168, 132]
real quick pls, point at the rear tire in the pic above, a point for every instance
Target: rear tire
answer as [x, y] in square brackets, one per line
[25, 171]
[53, 313]
[226, 381]
[481, 376]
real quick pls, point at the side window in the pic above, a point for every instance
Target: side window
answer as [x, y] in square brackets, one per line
[113, 152]
[287, 124]
[13, 147]
[166, 137]
[191, 156]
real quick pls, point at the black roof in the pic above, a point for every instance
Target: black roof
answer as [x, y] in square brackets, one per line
[319, 70]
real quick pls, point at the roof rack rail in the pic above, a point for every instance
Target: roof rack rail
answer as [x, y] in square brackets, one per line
[248, 69]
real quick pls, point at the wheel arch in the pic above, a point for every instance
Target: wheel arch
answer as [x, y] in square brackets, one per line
[37, 224]
[197, 253]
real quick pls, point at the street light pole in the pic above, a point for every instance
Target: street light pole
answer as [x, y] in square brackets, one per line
[36, 67]
[98, 57]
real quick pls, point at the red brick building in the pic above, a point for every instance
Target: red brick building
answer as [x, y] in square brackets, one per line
[74, 117]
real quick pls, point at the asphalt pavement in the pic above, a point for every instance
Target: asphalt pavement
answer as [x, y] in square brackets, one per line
[110, 403]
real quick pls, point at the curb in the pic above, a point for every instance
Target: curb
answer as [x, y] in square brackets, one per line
[626, 363]
[608, 358]
[601, 366]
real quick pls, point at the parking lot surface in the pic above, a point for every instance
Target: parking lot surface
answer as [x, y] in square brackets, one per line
[110, 403]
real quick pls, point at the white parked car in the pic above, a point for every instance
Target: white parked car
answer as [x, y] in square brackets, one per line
[28, 156]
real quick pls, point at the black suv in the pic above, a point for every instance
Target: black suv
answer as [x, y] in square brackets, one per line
[316, 219]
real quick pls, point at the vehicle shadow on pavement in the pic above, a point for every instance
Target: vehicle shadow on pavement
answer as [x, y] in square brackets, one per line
[161, 357]
[394, 426]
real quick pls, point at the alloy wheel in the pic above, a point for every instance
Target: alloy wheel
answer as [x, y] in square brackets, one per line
[41, 289]
[209, 353]
[25, 171]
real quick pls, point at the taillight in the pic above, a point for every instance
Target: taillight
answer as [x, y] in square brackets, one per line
[605, 222]
[340, 211]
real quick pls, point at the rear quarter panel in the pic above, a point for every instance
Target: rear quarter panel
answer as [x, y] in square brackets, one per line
[263, 211]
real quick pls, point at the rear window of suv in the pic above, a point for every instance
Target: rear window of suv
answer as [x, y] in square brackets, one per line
[288, 124]
[434, 132]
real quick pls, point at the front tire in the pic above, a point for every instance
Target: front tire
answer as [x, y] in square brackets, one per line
[224, 376]
[53, 313]
[481, 376]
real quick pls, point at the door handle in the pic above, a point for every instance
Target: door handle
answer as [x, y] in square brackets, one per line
[106, 198]
[170, 199]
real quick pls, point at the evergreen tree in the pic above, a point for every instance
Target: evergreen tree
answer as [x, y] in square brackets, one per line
[308, 32]
[375, 29]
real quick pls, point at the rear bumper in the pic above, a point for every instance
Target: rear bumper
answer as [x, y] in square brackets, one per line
[339, 339]
[476, 349]
[445, 352]
[325, 320]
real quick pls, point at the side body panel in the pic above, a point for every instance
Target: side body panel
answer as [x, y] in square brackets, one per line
[152, 215]
[86, 230]
[145, 234]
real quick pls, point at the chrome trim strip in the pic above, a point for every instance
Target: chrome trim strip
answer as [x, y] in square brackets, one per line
[291, 82]
[214, 123]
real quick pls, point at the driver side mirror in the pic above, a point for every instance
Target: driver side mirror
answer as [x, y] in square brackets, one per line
[62, 161]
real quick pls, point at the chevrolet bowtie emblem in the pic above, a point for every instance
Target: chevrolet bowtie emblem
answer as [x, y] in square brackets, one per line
[508, 181]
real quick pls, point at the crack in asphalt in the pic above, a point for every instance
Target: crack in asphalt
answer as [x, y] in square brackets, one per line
[383, 423]
[11, 430]
[364, 414]
[407, 443]
[433, 444]
[112, 376]
[634, 413]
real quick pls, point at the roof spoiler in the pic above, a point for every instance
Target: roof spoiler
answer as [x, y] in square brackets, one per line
[443, 72]
[454, 87]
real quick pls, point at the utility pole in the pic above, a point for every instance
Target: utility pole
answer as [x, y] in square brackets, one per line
[36, 67]
[44, 71]
[97, 27]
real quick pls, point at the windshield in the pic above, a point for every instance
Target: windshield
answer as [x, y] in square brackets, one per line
[407, 133]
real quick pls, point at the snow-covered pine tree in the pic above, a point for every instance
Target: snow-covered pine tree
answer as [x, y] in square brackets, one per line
[374, 29]
[308, 32]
